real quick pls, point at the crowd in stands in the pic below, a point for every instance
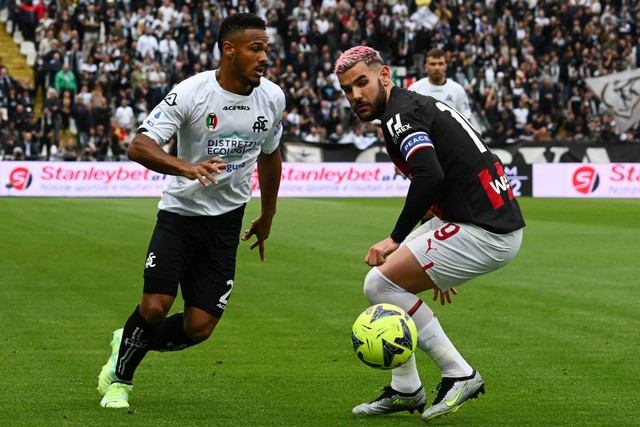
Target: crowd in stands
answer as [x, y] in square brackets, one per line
[102, 65]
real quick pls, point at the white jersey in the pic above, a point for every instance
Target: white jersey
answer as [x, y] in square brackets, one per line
[451, 93]
[212, 122]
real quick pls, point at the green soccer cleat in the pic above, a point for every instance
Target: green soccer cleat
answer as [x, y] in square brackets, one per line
[452, 393]
[117, 396]
[109, 369]
[391, 401]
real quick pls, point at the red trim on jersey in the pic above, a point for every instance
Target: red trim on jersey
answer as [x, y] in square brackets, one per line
[501, 173]
[486, 180]
[428, 266]
[436, 210]
[415, 308]
[417, 147]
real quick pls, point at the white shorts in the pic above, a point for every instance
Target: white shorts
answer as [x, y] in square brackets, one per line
[453, 253]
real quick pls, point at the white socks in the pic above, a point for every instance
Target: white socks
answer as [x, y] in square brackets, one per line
[431, 338]
[433, 341]
[405, 378]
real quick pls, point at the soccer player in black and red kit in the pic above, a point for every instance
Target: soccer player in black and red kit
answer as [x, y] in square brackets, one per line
[477, 228]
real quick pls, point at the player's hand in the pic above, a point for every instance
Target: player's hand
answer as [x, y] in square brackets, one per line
[204, 171]
[378, 253]
[444, 296]
[261, 228]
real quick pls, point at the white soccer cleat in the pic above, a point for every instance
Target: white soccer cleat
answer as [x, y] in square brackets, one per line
[453, 392]
[391, 401]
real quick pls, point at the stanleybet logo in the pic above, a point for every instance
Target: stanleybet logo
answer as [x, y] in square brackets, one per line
[20, 179]
[255, 181]
[586, 180]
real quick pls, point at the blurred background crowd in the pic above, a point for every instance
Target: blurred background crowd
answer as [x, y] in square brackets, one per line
[100, 66]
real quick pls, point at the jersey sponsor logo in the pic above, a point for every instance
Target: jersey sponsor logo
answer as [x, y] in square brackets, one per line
[171, 99]
[495, 187]
[585, 180]
[230, 146]
[260, 124]
[234, 167]
[395, 127]
[236, 107]
[414, 142]
[212, 121]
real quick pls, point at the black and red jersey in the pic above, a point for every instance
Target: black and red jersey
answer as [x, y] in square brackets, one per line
[451, 169]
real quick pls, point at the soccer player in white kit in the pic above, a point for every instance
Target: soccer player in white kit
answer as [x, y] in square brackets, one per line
[437, 85]
[227, 121]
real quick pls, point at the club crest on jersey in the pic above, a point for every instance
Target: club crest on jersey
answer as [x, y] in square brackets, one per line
[395, 127]
[212, 121]
[260, 124]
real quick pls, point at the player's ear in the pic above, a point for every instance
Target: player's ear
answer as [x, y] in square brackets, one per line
[228, 48]
[385, 75]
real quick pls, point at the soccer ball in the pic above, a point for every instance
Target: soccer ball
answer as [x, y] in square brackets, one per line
[384, 336]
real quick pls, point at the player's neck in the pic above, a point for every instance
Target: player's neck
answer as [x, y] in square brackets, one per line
[228, 82]
[440, 83]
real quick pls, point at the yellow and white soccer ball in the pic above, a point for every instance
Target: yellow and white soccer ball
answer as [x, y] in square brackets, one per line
[384, 336]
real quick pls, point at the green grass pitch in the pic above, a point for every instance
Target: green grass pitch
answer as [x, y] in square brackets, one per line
[556, 334]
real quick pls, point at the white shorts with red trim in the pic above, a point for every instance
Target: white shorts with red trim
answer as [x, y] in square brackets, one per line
[453, 253]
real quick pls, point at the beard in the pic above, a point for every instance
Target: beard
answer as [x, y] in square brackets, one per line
[377, 107]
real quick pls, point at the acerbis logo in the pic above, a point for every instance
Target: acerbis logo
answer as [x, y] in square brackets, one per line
[20, 178]
[236, 107]
[586, 180]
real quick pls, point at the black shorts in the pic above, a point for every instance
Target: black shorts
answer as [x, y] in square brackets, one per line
[197, 253]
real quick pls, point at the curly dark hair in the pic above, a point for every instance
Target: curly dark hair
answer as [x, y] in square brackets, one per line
[237, 23]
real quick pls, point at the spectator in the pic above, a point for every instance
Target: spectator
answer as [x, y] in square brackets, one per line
[147, 44]
[30, 145]
[125, 119]
[521, 115]
[168, 49]
[527, 43]
[9, 147]
[65, 80]
[29, 16]
[90, 24]
[47, 131]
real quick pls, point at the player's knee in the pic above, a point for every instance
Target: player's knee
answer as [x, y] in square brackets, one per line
[154, 308]
[199, 332]
[200, 328]
[374, 286]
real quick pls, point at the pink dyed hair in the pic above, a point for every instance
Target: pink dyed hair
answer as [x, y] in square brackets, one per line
[356, 54]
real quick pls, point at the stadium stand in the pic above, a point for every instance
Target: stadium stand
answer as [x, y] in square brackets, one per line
[523, 63]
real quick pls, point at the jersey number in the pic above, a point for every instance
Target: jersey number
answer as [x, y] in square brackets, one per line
[465, 125]
[224, 299]
[446, 231]
[492, 188]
